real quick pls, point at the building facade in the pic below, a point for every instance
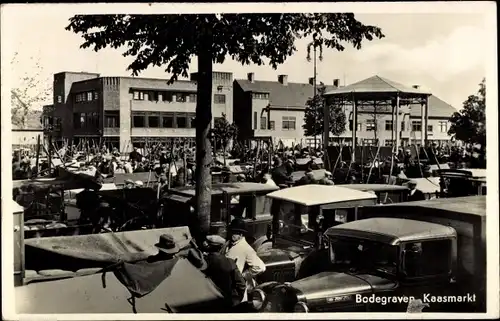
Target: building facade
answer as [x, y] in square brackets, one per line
[287, 102]
[128, 111]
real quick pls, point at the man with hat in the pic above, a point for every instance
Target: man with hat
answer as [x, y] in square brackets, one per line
[167, 248]
[129, 184]
[221, 270]
[415, 194]
[237, 248]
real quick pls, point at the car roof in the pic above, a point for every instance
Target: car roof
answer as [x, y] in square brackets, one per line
[230, 188]
[391, 230]
[314, 194]
[475, 205]
[375, 187]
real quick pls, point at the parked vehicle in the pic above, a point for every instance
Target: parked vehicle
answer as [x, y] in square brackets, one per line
[229, 200]
[462, 182]
[300, 216]
[380, 263]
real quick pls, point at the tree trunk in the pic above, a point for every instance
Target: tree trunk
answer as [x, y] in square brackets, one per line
[203, 146]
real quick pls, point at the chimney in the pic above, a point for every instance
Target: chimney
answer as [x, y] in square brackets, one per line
[311, 81]
[251, 77]
[416, 86]
[283, 79]
[336, 83]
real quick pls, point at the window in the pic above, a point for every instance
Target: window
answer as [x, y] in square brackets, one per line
[76, 121]
[92, 120]
[254, 120]
[167, 121]
[416, 126]
[89, 96]
[59, 99]
[153, 121]
[370, 142]
[371, 125]
[260, 96]
[146, 96]
[160, 97]
[191, 120]
[389, 142]
[417, 254]
[192, 98]
[219, 99]
[388, 125]
[271, 125]
[111, 119]
[402, 126]
[180, 98]
[138, 121]
[138, 95]
[168, 96]
[430, 128]
[78, 98]
[83, 117]
[181, 121]
[263, 123]
[443, 126]
[357, 129]
[96, 95]
[288, 123]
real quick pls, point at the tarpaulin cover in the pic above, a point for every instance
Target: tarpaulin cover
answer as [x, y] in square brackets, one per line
[318, 174]
[185, 290]
[108, 247]
[427, 185]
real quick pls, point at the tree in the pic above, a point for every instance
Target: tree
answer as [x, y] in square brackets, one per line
[313, 117]
[222, 133]
[469, 124]
[171, 41]
[30, 93]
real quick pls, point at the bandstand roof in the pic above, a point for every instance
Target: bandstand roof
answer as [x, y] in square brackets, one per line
[377, 85]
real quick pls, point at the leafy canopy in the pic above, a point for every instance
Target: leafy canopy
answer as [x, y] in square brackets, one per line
[171, 40]
[469, 124]
[223, 132]
[313, 117]
[31, 92]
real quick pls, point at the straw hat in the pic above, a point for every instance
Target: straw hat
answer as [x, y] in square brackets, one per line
[139, 183]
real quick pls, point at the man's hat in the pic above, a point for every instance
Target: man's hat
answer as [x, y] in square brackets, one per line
[238, 225]
[196, 258]
[215, 240]
[167, 244]
[129, 181]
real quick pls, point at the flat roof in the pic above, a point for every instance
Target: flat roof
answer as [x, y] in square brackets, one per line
[475, 205]
[230, 188]
[375, 187]
[391, 230]
[313, 194]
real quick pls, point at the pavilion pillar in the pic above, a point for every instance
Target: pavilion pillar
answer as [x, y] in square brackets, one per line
[354, 128]
[396, 126]
[426, 128]
[422, 124]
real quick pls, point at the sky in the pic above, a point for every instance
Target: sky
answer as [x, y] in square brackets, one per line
[444, 52]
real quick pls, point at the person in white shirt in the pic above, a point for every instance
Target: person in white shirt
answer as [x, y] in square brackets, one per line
[237, 248]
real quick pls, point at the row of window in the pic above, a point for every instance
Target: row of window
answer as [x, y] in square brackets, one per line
[416, 126]
[287, 123]
[260, 96]
[163, 120]
[86, 96]
[86, 120]
[168, 96]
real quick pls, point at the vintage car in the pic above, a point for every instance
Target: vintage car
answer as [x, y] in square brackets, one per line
[300, 216]
[462, 182]
[229, 200]
[382, 263]
[386, 194]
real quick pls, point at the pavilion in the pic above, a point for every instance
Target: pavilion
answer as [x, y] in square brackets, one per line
[378, 91]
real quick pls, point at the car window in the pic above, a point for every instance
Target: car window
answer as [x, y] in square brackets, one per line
[419, 254]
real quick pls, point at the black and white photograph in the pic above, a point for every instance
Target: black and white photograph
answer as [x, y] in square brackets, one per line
[244, 161]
